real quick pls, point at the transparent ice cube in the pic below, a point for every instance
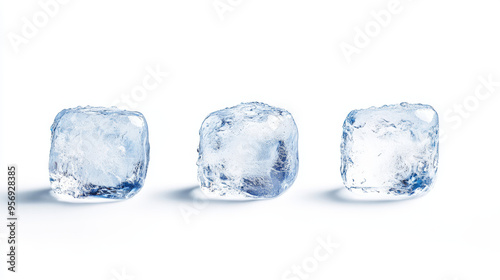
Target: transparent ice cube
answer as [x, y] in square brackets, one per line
[248, 151]
[391, 150]
[98, 153]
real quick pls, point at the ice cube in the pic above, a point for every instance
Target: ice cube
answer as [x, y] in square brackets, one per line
[392, 150]
[98, 153]
[248, 151]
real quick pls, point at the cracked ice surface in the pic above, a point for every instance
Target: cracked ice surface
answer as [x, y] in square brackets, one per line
[390, 150]
[98, 153]
[248, 151]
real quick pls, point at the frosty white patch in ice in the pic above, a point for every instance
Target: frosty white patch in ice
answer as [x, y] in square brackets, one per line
[390, 150]
[98, 153]
[248, 151]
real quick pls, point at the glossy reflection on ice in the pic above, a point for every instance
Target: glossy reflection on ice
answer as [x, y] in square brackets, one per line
[391, 150]
[248, 151]
[98, 154]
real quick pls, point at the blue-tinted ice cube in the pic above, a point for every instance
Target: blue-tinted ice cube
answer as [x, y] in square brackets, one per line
[98, 153]
[391, 150]
[248, 151]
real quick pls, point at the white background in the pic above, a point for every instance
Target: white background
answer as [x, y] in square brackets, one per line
[287, 54]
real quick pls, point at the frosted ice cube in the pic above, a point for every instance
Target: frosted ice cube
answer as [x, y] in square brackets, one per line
[98, 153]
[248, 151]
[391, 150]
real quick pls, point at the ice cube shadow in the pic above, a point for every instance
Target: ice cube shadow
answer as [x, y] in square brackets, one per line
[38, 196]
[342, 195]
[43, 196]
[193, 193]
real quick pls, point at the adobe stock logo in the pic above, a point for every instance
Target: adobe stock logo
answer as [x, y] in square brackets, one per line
[121, 275]
[324, 250]
[222, 7]
[460, 112]
[139, 93]
[363, 36]
[31, 27]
